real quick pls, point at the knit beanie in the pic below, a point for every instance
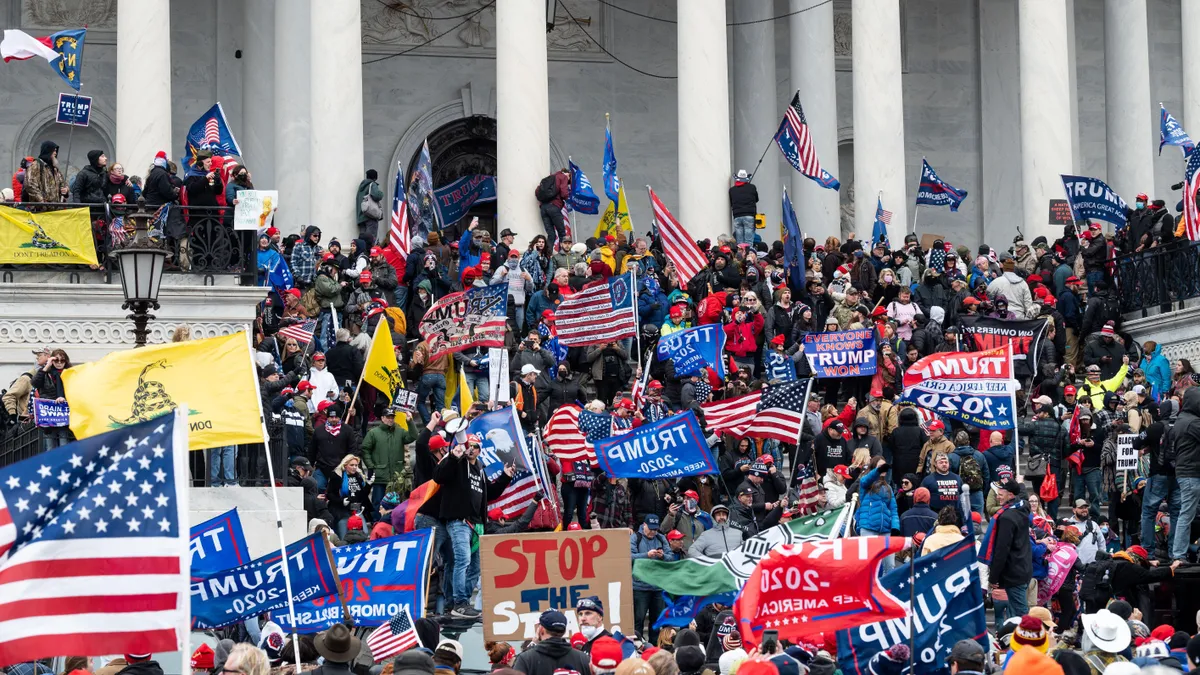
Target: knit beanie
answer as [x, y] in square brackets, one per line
[1031, 633]
[890, 662]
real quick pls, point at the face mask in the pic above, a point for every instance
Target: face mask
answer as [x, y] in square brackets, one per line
[1104, 529]
[1140, 204]
[590, 632]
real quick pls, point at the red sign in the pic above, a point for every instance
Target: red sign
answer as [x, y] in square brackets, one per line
[993, 364]
[817, 587]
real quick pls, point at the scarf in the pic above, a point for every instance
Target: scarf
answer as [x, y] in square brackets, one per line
[115, 179]
[989, 535]
[334, 428]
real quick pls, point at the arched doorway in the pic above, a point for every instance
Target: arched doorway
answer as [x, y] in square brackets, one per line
[42, 127]
[463, 147]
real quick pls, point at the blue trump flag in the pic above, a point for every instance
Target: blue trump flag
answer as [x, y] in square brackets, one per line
[69, 64]
[684, 609]
[779, 367]
[1092, 199]
[793, 241]
[1170, 132]
[454, 200]
[582, 197]
[934, 191]
[228, 596]
[948, 608]
[503, 441]
[882, 220]
[383, 576]
[794, 139]
[842, 353]
[210, 132]
[694, 349]
[279, 275]
[218, 544]
[669, 448]
[985, 404]
[611, 182]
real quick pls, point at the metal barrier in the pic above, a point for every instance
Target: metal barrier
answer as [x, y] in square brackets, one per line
[20, 442]
[1162, 277]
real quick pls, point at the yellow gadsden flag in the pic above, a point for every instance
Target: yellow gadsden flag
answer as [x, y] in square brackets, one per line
[615, 217]
[215, 377]
[381, 370]
[51, 237]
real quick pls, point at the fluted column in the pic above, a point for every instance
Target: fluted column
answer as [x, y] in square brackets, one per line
[813, 67]
[258, 99]
[143, 83]
[703, 99]
[293, 117]
[756, 107]
[1128, 110]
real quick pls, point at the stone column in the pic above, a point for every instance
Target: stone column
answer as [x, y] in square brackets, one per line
[522, 114]
[1046, 147]
[703, 98]
[293, 118]
[878, 118]
[1190, 16]
[756, 106]
[1129, 112]
[337, 117]
[143, 84]
[258, 93]
[814, 76]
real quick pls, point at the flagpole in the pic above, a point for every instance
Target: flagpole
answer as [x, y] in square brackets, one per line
[1016, 420]
[71, 136]
[653, 217]
[916, 217]
[912, 605]
[287, 577]
[760, 160]
[637, 334]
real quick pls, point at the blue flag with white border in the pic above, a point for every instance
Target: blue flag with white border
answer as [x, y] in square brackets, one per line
[503, 441]
[779, 366]
[933, 191]
[1093, 199]
[1170, 132]
[582, 197]
[669, 448]
[209, 132]
[984, 404]
[684, 609]
[694, 349]
[218, 544]
[793, 242]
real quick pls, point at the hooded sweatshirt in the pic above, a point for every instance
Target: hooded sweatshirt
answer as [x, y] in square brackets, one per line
[1016, 291]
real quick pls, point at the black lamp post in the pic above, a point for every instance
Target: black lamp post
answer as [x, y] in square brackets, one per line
[142, 259]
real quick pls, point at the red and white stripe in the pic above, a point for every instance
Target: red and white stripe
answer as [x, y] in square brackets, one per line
[1191, 212]
[885, 216]
[587, 318]
[779, 423]
[84, 596]
[516, 496]
[385, 643]
[18, 45]
[212, 131]
[398, 232]
[732, 415]
[8, 531]
[678, 245]
[808, 154]
[565, 440]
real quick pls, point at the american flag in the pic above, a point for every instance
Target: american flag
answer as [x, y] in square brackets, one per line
[796, 144]
[776, 411]
[564, 438]
[678, 245]
[300, 332]
[398, 247]
[1191, 213]
[598, 314]
[639, 388]
[393, 637]
[212, 131]
[731, 415]
[809, 492]
[516, 496]
[90, 546]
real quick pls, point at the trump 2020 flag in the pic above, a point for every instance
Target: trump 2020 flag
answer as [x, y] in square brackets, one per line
[948, 608]
[611, 182]
[1170, 132]
[93, 554]
[582, 197]
[694, 349]
[210, 132]
[1092, 199]
[217, 544]
[684, 609]
[668, 448]
[795, 142]
[793, 241]
[934, 191]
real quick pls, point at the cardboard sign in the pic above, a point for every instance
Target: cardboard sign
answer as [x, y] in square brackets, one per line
[406, 400]
[928, 238]
[527, 574]
[255, 209]
[1060, 212]
[74, 109]
[1127, 457]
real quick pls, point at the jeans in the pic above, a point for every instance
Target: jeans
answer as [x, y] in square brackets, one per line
[743, 231]
[647, 602]
[401, 295]
[1094, 278]
[221, 463]
[887, 564]
[575, 502]
[443, 554]
[1189, 496]
[466, 563]
[377, 493]
[479, 384]
[431, 384]
[55, 437]
[1093, 480]
[1018, 601]
[1158, 488]
[552, 220]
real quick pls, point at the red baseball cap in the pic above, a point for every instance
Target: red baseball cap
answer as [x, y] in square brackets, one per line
[654, 384]
[1073, 280]
[437, 442]
[842, 471]
[625, 404]
[294, 292]
[574, 526]
[674, 535]
[304, 386]
[1069, 390]
[936, 424]
[375, 250]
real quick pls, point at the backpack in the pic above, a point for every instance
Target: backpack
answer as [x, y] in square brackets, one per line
[1167, 453]
[369, 207]
[970, 473]
[1110, 310]
[1096, 584]
[547, 189]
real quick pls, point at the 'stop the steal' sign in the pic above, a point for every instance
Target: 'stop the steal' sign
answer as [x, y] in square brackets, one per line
[524, 576]
[843, 353]
[668, 448]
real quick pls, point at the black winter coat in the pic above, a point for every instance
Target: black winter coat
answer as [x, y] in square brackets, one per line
[1012, 554]
[907, 441]
[345, 363]
[89, 185]
[454, 475]
[1095, 255]
[1186, 436]
[828, 451]
[743, 200]
[551, 655]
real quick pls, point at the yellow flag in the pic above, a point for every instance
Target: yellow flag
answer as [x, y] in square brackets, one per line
[51, 237]
[215, 377]
[623, 210]
[465, 398]
[381, 370]
[608, 221]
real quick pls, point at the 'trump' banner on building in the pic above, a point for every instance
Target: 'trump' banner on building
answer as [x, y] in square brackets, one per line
[226, 597]
[985, 333]
[992, 364]
[218, 544]
[454, 200]
[668, 448]
[378, 578]
[843, 353]
[471, 318]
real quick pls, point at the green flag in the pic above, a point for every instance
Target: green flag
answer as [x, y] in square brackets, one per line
[706, 576]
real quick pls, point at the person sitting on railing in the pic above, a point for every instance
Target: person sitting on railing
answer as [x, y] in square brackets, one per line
[44, 183]
[204, 188]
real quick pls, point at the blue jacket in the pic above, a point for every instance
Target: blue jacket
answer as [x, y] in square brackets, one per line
[651, 294]
[1001, 454]
[466, 256]
[266, 260]
[1158, 372]
[877, 510]
[640, 547]
[536, 304]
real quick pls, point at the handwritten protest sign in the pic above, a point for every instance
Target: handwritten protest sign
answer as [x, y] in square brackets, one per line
[255, 209]
[1127, 457]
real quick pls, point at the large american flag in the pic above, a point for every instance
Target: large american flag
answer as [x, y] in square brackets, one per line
[398, 247]
[300, 332]
[1191, 213]
[598, 314]
[796, 144]
[678, 245]
[564, 437]
[90, 546]
[393, 637]
[516, 496]
[776, 411]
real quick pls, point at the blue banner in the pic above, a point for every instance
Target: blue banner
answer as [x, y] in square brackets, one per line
[69, 44]
[934, 191]
[611, 182]
[986, 404]
[793, 242]
[948, 608]
[1091, 199]
[694, 349]
[226, 597]
[49, 413]
[843, 353]
[1170, 132]
[780, 367]
[210, 132]
[879, 232]
[74, 109]
[582, 197]
[503, 441]
[670, 448]
[279, 275]
[422, 202]
[378, 579]
[683, 610]
[218, 544]
[454, 200]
